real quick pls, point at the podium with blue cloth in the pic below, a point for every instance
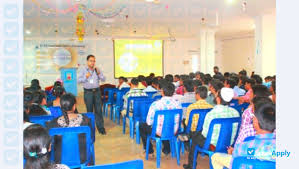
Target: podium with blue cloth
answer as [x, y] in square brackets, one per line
[69, 78]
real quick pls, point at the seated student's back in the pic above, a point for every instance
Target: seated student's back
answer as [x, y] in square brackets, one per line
[37, 147]
[37, 105]
[70, 119]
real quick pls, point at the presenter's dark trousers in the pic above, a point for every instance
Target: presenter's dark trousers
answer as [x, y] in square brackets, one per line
[93, 102]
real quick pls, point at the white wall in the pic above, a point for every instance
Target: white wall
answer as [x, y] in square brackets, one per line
[237, 53]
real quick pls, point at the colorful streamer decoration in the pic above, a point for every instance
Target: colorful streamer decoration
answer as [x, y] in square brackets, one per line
[110, 10]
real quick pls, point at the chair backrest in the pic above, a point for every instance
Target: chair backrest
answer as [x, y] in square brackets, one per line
[136, 164]
[119, 98]
[106, 92]
[225, 134]
[140, 108]
[158, 97]
[70, 152]
[241, 107]
[185, 105]
[234, 102]
[111, 92]
[168, 127]
[125, 89]
[202, 114]
[133, 98]
[90, 115]
[238, 162]
[150, 94]
[56, 111]
[41, 119]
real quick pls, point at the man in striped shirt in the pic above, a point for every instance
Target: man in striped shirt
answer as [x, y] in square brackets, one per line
[133, 92]
[221, 110]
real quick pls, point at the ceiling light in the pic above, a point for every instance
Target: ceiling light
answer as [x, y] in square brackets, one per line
[149, 0]
[230, 1]
[28, 32]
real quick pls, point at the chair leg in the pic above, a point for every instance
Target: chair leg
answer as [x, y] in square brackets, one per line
[177, 148]
[131, 127]
[111, 110]
[183, 147]
[124, 125]
[195, 158]
[158, 149]
[172, 148]
[118, 115]
[137, 132]
[147, 147]
[113, 113]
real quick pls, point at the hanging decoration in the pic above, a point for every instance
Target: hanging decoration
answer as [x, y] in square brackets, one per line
[244, 4]
[80, 31]
[110, 10]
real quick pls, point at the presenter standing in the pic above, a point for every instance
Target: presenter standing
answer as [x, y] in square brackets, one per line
[90, 76]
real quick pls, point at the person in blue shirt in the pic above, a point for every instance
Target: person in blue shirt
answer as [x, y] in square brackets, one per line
[90, 77]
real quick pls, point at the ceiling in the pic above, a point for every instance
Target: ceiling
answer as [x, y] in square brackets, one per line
[177, 18]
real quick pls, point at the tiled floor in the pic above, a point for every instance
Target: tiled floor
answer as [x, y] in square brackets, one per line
[117, 147]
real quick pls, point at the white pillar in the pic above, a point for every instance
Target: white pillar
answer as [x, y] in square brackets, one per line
[207, 50]
[265, 42]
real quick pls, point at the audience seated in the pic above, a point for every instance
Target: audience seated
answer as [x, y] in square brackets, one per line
[142, 82]
[37, 147]
[134, 91]
[166, 103]
[248, 86]
[38, 106]
[214, 87]
[70, 119]
[58, 91]
[196, 84]
[189, 94]
[273, 92]
[176, 81]
[237, 89]
[159, 89]
[149, 87]
[230, 83]
[263, 144]
[122, 83]
[221, 110]
[180, 89]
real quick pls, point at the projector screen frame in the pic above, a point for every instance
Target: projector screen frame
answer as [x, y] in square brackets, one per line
[136, 39]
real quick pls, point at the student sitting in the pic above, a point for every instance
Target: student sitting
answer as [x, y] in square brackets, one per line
[189, 95]
[237, 89]
[214, 87]
[273, 92]
[166, 103]
[70, 119]
[58, 91]
[38, 106]
[169, 78]
[122, 83]
[221, 110]
[37, 147]
[248, 86]
[263, 144]
[230, 83]
[142, 83]
[176, 81]
[196, 84]
[149, 87]
[134, 91]
[201, 103]
[159, 88]
[180, 89]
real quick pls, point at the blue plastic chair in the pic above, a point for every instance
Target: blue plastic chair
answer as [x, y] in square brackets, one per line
[56, 111]
[185, 105]
[136, 164]
[158, 97]
[41, 119]
[150, 94]
[234, 102]
[118, 105]
[240, 162]
[70, 153]
[202, 115]
[224, 139]
[131, 117]
[141, 107]
[109, 101]
[241, 107]
[90, 115]
[167, 133]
